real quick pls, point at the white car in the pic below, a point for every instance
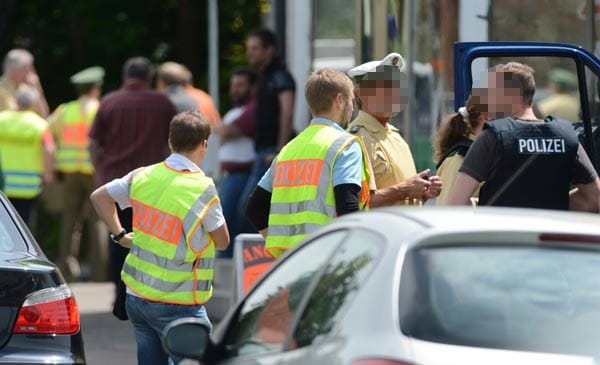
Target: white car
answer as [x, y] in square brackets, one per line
[420, 286]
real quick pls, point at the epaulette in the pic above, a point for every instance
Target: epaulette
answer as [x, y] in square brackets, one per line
[355, 128]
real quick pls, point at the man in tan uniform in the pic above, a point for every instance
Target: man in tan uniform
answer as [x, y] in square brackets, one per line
[394, 177]
[17, 70]
[70, 124]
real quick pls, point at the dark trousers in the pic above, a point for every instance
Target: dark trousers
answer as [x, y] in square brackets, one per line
[24, 207]
[117, 258]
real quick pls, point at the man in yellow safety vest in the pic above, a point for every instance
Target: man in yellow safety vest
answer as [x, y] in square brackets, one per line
[26, 152]
[320, 174]
[70, 124]
[177, 225]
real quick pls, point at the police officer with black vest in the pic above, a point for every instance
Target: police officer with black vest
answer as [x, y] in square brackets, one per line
[524, 161]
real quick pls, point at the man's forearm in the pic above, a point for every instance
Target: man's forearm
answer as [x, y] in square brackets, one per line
[95, 152]
[346, 198]
[285, 130]
[286, 117]
[393, 194]
[106, 209]
[258, 207]
[48, 151]
[585, 198]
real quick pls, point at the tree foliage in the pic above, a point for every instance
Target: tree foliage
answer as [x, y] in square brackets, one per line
[66, 36]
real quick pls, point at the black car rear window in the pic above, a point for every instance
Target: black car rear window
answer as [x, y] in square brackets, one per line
[520, 298]
[10, 239]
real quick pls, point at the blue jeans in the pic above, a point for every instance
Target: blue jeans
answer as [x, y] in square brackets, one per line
[258, 170]
[230, 189]
[149, 320]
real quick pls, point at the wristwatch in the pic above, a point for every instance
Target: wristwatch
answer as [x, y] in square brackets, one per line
[117, 237]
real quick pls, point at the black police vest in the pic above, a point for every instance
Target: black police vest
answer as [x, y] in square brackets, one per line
[536, 164]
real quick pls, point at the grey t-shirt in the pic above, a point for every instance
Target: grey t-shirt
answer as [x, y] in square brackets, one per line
[180, 99]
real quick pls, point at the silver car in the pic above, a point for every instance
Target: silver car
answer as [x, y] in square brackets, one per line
[420, 286]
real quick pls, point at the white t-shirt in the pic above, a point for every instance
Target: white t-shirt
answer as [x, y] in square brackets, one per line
[239, 150]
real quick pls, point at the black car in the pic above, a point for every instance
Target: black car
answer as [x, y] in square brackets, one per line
[39, 318]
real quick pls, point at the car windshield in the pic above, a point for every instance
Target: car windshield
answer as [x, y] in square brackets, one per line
[539, 299]
[10, 239]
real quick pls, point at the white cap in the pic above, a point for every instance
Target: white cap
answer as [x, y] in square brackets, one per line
[393, 59]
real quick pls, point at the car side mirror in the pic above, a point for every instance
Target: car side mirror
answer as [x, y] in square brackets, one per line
[187, 337]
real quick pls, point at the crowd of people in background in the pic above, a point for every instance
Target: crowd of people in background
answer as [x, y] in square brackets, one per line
[93, 139]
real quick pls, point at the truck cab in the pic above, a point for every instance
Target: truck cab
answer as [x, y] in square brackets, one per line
[578, 68]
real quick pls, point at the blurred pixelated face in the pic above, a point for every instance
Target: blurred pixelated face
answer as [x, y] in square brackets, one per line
[503, 96]
[18, 74]
[239, 89]
[255, 52]
[384, 97]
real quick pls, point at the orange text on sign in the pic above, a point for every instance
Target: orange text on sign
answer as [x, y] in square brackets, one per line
[297, 172]
[155, 222]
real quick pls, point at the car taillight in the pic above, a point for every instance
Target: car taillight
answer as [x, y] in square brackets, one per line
[49, 311]
[379, 362]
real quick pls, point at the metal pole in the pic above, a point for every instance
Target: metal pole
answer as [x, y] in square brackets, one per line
[213, 51]
[408, 115]
[591, 25]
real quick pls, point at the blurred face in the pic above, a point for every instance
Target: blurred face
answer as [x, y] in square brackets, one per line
[382, 98]
[502, 99]
[18, 74]
[239, 89]
[257, 54]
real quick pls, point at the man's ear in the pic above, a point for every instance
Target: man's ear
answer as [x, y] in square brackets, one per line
[357, 92]
[205, 144]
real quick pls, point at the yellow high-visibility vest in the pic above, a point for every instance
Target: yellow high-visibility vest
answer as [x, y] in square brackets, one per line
[21, 152]
[302, 199]
[171, 259]
[72, 154]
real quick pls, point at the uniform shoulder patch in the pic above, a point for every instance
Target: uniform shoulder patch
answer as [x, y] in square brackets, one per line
[355, 128]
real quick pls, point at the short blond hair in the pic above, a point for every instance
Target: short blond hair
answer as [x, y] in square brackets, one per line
[322, 88]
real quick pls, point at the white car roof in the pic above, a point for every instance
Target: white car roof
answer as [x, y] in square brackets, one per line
[435, 224]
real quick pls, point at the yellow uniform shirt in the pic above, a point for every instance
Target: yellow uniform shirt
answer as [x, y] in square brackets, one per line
[389, 154]
[7, 95]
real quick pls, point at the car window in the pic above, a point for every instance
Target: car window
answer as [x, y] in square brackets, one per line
[10, 239]
[267, 313]
[345, 273]
[519, 298]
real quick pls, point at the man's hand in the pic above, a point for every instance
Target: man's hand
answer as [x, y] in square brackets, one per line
[126, 240]
[32, 79]
[417, 185]
[433, 191]
[48, 177]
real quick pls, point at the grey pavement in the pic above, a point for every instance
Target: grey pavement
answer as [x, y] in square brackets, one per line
[107, 340]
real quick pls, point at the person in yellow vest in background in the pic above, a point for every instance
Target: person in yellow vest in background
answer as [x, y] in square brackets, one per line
[320, 174]
[26, 152]
[70, 124]
[177, 225]
[381, 90]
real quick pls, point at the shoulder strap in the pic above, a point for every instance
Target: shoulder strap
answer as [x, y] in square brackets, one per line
[461, 147]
